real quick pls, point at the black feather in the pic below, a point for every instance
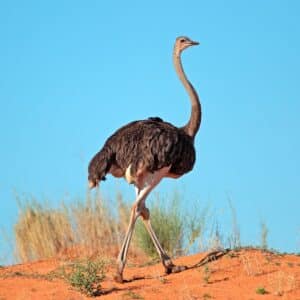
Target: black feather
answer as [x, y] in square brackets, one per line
[150, 143]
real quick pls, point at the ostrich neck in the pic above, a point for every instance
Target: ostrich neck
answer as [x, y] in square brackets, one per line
[193, 124]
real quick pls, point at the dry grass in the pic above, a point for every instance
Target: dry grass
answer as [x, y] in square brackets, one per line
[95, 227]
[251, 264]
[84, 228]
[282, 282]
[98, 226]
[264, 236]
[42, 232]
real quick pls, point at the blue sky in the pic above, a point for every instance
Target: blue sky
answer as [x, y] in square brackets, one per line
[73, 72]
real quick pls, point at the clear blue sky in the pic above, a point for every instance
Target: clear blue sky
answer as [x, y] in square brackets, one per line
[72, 72]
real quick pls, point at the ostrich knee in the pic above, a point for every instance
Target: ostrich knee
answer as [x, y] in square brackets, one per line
[145, 214]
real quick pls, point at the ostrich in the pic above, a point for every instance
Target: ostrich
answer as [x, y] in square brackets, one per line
[146, 151]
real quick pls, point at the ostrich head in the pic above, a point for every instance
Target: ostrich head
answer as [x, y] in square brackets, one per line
[183, 42]
[93, 182]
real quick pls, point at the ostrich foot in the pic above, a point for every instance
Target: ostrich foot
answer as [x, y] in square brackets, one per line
[118, 278]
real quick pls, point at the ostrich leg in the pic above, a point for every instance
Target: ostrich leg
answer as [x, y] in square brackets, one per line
[121, 261]
[166, 260]
[142, 191]
[139, 209]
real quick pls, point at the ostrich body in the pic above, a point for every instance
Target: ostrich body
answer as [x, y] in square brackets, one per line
[144, 152]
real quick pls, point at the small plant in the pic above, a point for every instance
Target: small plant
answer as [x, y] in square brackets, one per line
[261, 291]
[86, 277]
[231, 254]
[206, 274]
[163, 280]
[132, 295]
[206, 296]
[269, 259]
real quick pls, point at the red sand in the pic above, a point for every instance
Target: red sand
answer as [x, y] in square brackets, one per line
[236, 275]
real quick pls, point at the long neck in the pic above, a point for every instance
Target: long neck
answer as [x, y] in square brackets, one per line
[193, 124]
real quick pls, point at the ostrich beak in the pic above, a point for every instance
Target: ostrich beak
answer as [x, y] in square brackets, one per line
[194, 43]
[92, 184]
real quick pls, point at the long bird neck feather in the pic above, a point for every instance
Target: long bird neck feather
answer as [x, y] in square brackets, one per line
[193, 124]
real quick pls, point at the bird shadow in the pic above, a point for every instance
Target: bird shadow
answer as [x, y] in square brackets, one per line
[104, 292]
[135, 278]
[210, 257]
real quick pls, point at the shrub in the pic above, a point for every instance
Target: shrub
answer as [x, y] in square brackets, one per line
[261, 291]
[167, 224]
[87, 277]
[176, 229]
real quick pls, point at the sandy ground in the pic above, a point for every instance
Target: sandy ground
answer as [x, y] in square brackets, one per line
[235, 275]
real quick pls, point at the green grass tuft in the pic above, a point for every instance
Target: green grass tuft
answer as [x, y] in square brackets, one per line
[261, 291]
[87, 276]
[132, 295]
[167, 223]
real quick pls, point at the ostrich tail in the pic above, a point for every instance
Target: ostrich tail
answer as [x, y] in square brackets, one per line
[99, 166]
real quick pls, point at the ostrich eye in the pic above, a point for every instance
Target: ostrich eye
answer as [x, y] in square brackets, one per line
[182, 40]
